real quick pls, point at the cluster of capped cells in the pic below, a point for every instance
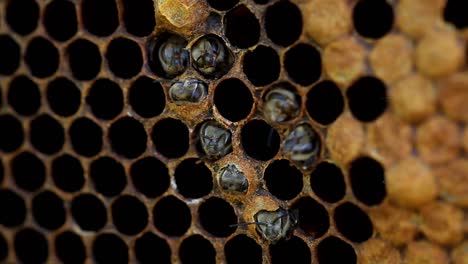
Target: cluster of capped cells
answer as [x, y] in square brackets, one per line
[263, 136]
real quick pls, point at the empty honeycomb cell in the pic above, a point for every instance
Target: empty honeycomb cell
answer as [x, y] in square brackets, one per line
[259, 140]
[12, 133]
[303, 64]
[334, 250]
[373, 19]
[70, 248]
[453, 96]
[327, 182]
[283, 32]
[89, 212]
[442, 223]
[3, 248]
[242, 28]
[67, 173]
[170, 138]
[60, 20]
[193, 178]
[22, 16]
[105, 99]
[197, 249]
[150, 248]
[424, 252]
[352, 222]
[217, 217]
[147, 98]
[42, 57]
[10, 52]
[125, 206]
[172, 216]
[110, 248]
[167, 55]
[261, 65]
[124, 57]
[150, 176]
[48, 210]
[313, 217]
[46, 134]
[325, 102]
[100, 18]
[222, 5]
[85, 136]
[15, 207]
[84, 59]
[63, 96]
[367, 178]
[378, 251]
[367, 98]
[138, 17]
[294, 250]
[453, 13]
[283, 179]
[23, 96]
[28, 171]
[30, 246]
[242, 249]
[108, 176]
[233, 99]
[128, 137]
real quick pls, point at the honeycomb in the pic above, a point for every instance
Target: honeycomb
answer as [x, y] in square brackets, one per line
[233, 131]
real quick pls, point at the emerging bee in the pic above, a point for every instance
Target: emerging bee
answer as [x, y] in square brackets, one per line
[232, 179]
[189, 90]
[169, 56]
[302, 145]
[211, 57]
[215, 140]
[280, 105]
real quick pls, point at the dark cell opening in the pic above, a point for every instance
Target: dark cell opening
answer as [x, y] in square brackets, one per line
[217, 217]
[10, 53]
[3, 248]
[12, 133]
[172, 216]
[2, 171]
[196, 249]
[352, 222]
[150, 248]
[48, 210]
[100, 17]
[193, 178]
[84, 58]
[283, 180]
[455, 13]
[108, 176]
[129, 215]
[233, 99]
[128, 137]
[69, 248]
[67, 173]
[105, 99]
[28, 171]
[60, 20]
[261, 2]
[294, 250]
[13, 208]
[367, 98]
[124, 57]
[46, 134]
[42, 57]
[313, 217]
[22, 16]
[167, 54]
[170, 138]
[30, 246]
[327, 182]
[261, 65]
[242, 249]
[373, 19]
[242, 27]
[283, 23]
[88, 212]
[24, 96]
[222, 5]
[86, 137]
[147, 98]
[303, 64]
[325, 103]
[367, 180]
[259, 140]
[63, 96]
[150, 176]
[138, 17]
[110, 248]
[333, 250]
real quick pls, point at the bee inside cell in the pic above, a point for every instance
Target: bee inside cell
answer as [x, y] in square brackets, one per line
[188, 91]
[302, 145]
[168, 55]
[211, 57]
[214, 141]
[281, 103]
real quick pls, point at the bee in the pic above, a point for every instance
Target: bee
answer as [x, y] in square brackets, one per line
[190, 90]
[169, 55]
[215, 140]
[280, 105]
[302, 144]
[232, 179]
[211, 57]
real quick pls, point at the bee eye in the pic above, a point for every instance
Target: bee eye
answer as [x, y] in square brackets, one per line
[211, 57]
[168, 55]
[232, 179]
[215, 140]
[188, 91]
[281, 104]
[302, 145]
